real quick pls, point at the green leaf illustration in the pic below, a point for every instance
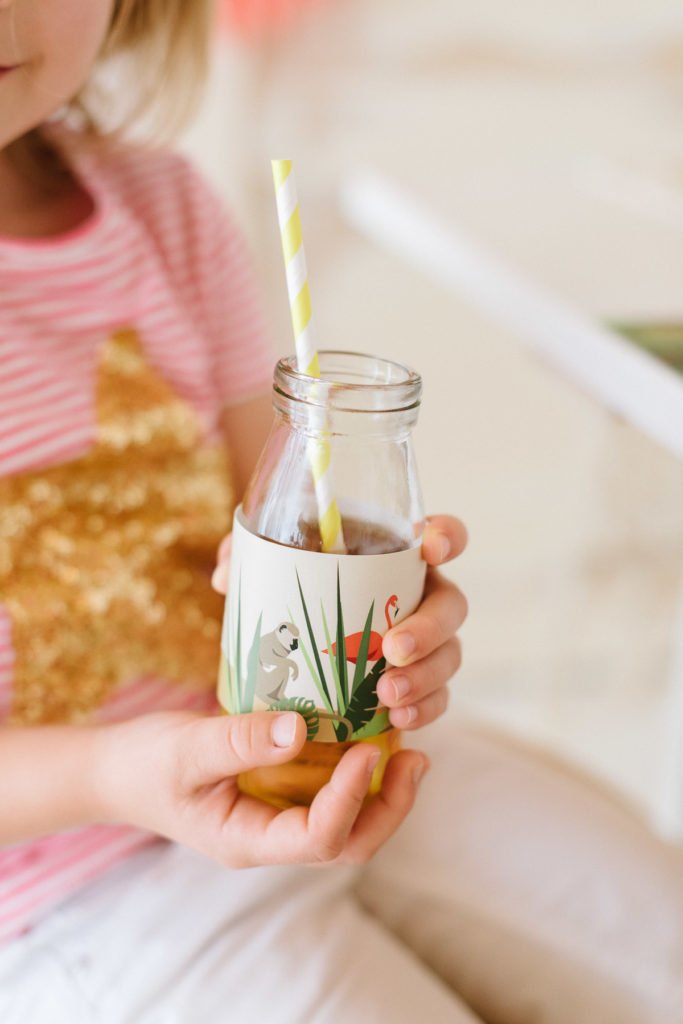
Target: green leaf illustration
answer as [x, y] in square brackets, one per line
[303, 706]
[377, 724]
[315, 677]
[342, 669]
[314, 647]
[311, 668]
[333, 663]
[232, 690]
[252, 666]
[238, 650]
[224, 684]
[364, 700]
[362, 659]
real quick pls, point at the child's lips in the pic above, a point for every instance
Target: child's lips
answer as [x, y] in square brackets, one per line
[6, 68]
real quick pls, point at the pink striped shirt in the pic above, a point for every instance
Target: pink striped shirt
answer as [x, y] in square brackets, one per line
[159, 259]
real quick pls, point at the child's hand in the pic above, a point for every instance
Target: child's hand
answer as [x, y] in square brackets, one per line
[415, 689]
[175, 773]
[424, 649]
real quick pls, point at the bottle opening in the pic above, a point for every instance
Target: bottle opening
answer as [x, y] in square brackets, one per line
[349, 382]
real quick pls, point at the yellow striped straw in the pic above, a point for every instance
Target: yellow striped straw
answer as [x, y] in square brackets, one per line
[319, 450]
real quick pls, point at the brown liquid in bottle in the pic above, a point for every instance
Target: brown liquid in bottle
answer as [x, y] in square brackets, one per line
[298, 781]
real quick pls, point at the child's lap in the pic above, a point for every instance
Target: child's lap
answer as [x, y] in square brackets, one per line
[169, 936]
[513, 879]
[535, 892]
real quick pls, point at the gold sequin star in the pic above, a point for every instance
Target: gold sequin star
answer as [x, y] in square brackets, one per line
[105, 561]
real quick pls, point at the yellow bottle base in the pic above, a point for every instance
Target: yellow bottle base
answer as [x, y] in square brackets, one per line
[298, 781]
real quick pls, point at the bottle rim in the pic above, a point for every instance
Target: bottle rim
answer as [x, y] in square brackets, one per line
[350, 382]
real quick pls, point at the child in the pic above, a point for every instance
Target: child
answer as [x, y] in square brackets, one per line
[132, 359]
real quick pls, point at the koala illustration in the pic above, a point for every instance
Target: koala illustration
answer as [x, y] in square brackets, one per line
[274, 663]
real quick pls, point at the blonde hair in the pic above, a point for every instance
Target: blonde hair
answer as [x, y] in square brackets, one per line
[163, 48]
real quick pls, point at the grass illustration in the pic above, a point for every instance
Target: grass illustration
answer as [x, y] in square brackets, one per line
[342, 664]
[319, 675]
[356, 699]
[241, 685]
[313, 670]
[332, 659]
[349, 701]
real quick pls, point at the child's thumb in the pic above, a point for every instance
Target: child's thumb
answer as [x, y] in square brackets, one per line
[214, 748]
[221, 574]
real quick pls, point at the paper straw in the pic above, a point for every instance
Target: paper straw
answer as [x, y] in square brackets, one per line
[319, 449]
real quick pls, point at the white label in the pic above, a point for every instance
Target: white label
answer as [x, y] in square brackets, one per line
[303, 631]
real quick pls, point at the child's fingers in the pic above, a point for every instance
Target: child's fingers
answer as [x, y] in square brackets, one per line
[219, 579]
[444, 538]
[424, 711]
[212, 749]
[400, 687]
[314, 835]
[441, 613]
[333, 813]
[382, 816]
[224, 548]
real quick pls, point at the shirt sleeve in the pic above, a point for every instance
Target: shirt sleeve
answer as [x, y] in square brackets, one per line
[241, 351]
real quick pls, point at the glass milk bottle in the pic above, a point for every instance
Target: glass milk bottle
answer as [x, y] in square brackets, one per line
[303, 626]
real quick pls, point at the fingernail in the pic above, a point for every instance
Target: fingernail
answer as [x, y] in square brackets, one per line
[400, 686]
[219, 579]
[443, 546]
[373, 761]
[419, 771]
[403, 645]
[408, 715]
[284, 729]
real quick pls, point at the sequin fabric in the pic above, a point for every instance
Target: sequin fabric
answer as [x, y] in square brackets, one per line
[105, 561]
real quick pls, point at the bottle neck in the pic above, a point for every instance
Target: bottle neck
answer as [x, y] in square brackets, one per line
[356, 396]
[376, 427]
[363, 409]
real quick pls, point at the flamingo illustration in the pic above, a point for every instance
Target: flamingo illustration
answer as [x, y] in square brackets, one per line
[353, 641]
